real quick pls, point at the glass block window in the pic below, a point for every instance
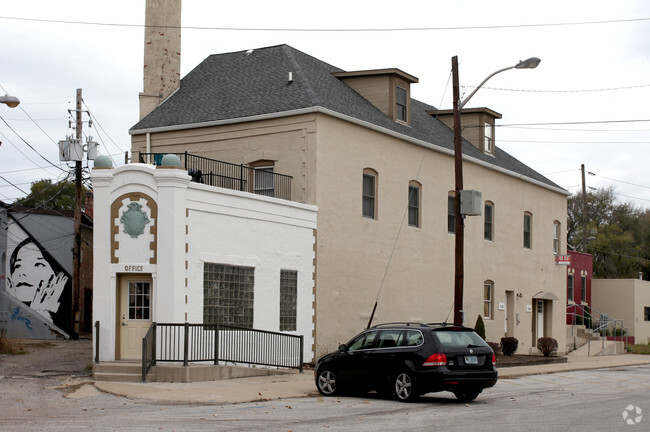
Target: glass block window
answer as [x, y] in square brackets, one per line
[288, 299]
[228, 293]
[139, 300]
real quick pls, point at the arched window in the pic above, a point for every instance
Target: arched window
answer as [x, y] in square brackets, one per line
[528, 230]
[488, 296]
[489, 221]
[451, 212]
[414, 198]
[369, 198]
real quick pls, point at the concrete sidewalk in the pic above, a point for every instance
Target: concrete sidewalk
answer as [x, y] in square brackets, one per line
[301, 385]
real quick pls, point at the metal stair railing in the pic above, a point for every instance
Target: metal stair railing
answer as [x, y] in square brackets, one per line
[585, 314]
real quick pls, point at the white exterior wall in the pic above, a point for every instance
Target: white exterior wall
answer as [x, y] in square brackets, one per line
[198, 224]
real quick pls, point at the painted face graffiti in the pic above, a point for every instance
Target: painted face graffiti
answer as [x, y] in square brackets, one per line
[33, 280]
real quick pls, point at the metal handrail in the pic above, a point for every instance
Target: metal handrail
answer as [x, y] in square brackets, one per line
[588, 314]
[96, 342]
[187, 342]
[228, 175]
[148, 351]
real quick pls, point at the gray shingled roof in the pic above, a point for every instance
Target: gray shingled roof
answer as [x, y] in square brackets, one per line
[243, 84]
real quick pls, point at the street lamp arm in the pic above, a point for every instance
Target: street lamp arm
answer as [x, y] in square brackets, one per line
[530, 63]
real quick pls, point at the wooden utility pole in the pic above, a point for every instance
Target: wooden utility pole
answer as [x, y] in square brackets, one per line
[459, 272]
[76, 251]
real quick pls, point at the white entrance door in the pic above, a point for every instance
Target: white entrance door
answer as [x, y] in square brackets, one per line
[134, 317]
[540, 319]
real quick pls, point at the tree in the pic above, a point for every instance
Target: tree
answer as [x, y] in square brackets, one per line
[53, 196]
[616, 231]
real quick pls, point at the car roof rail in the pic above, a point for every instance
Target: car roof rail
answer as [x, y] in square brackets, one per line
[446, 324]
[404, 323]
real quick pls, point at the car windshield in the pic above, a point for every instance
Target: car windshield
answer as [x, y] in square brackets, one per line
[459, 338]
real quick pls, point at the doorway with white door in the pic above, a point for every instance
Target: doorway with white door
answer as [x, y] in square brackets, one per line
[134, 314]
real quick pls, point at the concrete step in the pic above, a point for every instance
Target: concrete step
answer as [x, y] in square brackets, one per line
[120, 372]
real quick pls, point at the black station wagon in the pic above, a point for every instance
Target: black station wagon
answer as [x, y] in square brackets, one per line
[406, 360]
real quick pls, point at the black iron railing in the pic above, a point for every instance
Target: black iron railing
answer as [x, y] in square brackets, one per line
[260, 180]
[96, 342]
[148, 351]
[185, 343]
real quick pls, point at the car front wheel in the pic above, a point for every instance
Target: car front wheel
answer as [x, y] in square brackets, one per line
[326, 382]
[406, 386]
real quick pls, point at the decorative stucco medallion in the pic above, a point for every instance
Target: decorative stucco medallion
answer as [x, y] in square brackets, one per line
[134, 220]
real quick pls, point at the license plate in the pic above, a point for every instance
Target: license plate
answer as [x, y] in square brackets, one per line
[471, 360]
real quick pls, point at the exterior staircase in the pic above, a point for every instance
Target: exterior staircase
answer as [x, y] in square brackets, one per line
[586, 343]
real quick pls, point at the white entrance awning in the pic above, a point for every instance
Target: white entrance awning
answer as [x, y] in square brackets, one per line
[545, 295]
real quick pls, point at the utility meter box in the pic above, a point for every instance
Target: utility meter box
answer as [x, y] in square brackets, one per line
[471, 203]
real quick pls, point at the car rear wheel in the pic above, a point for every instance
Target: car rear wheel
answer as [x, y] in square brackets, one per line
[406, 386]
[326, 382]
[467, 395]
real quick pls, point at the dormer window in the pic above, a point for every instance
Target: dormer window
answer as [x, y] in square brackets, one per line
[401, 104]
[488, 141]
[387, 89]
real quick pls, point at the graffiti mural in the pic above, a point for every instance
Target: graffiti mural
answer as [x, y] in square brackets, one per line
[37, 280]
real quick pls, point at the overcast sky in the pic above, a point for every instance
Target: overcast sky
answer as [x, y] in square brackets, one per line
[587, 102]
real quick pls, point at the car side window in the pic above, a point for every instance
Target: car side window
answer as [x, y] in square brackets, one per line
[363, 341]
[391, 338]
[413, 338]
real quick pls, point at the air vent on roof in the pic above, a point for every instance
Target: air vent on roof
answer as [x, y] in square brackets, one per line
[290, 77]
[249, 52]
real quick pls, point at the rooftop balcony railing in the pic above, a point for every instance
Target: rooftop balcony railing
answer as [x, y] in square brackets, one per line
[261, 181]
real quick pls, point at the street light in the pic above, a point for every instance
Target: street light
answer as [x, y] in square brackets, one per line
[10, 101]
[459, 277]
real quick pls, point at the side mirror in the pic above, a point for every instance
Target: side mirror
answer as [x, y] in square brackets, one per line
[343, 348]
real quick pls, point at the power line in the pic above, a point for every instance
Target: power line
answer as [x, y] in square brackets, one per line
[564, 91]
[335, 30]
[29, 145]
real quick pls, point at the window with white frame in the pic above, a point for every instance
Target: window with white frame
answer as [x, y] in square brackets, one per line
[569, 286]
[451, 213]
[369, 198]
[488, 144]
[583, 288]
[556, 237]
[401, 104]
[263, 181]
[489, 221]
[414, 203]
[488, 292]
[528, 230]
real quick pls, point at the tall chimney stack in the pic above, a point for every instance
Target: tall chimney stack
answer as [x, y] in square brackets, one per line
[162, 53]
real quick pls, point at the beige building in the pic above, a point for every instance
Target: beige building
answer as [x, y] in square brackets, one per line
[379, 167]
[627, 300]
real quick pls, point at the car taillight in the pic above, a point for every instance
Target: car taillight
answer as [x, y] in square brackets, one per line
[494, 359]
[437, 359]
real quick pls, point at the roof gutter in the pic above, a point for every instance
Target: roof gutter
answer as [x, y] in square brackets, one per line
[329, 112]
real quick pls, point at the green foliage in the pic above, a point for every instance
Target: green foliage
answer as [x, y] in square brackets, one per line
[479, 327]
[639, 349]
[618, 234]
[54, 196]
[547, 346]
[509, 345]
